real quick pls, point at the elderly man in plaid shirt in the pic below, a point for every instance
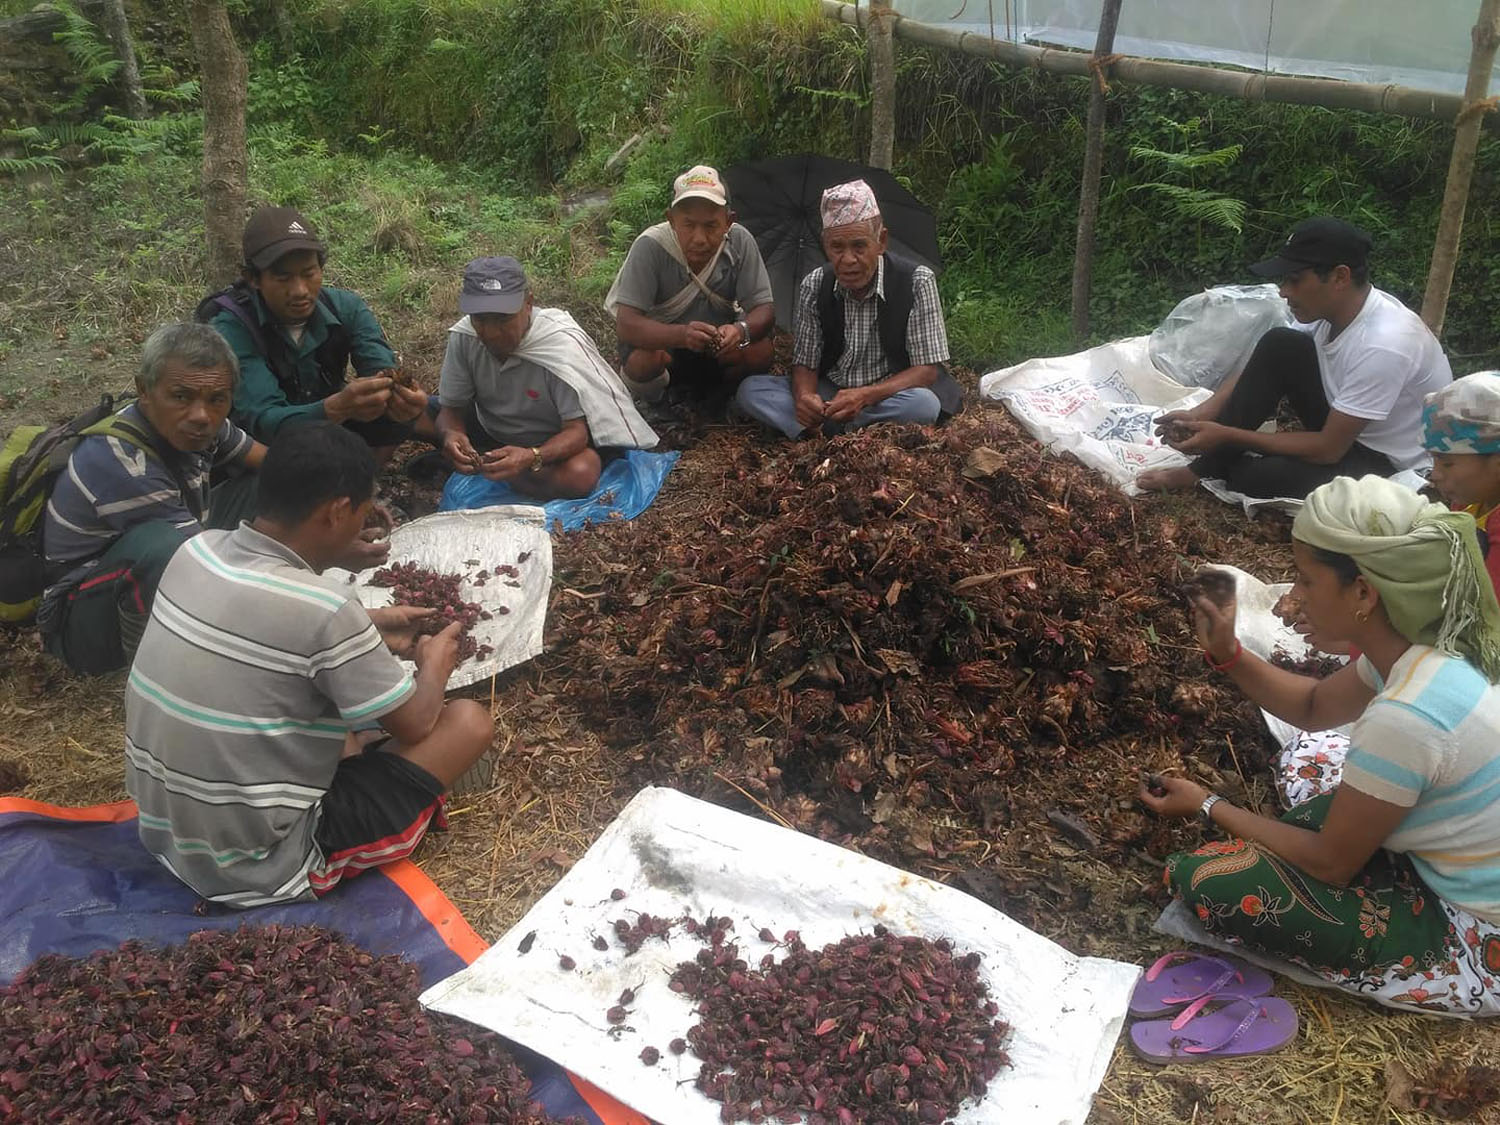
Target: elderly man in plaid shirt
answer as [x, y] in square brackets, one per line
[870, 342]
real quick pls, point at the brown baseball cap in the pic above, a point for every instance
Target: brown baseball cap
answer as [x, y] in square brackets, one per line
[275, 231]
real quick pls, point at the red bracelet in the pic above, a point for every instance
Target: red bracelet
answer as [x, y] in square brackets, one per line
[1239, 651]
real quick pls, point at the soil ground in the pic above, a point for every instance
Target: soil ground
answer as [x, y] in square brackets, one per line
[559, 783]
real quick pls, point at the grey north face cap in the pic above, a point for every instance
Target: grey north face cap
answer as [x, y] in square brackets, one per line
[493, 285]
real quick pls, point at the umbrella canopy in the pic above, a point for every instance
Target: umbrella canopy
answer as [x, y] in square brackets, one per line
[777, 201]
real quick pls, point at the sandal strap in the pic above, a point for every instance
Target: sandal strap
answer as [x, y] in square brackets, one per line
[1184, 955]
[1217, 985]
[1256, 1010]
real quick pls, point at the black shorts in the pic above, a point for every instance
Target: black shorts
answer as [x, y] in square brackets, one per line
[377, 810]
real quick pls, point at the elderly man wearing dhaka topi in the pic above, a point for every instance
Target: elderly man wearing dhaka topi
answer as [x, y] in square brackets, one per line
[870, 341]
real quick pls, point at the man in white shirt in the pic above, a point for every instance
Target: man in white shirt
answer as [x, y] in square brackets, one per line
[1354, 370]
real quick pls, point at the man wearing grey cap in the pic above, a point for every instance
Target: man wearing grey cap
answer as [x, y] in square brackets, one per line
[296, 338]
[525, 396]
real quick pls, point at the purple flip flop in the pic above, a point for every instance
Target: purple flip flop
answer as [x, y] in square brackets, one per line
[1250, 1025]
[1180, 978]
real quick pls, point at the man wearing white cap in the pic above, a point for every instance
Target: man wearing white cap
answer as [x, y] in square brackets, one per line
[692, 303]
[870, 342]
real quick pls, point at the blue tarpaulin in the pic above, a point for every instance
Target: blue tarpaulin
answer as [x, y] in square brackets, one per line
[626, 488]
[75, 881]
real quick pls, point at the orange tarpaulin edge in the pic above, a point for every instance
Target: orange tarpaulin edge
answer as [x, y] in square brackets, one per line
[425, 895]
[99, 814]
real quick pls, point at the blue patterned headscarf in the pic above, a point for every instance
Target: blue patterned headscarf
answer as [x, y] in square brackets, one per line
[1464, 417]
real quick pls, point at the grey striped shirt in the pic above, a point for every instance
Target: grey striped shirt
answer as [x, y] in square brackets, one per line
[249, 675]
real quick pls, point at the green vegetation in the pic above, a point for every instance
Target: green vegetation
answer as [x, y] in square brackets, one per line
[419, 132]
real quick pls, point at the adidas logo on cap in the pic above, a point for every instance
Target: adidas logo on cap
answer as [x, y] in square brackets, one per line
[296, 228]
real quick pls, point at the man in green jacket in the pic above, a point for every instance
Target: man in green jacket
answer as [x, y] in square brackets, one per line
[296, 338]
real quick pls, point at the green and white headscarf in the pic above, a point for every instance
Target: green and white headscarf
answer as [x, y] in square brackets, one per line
[1422, 558]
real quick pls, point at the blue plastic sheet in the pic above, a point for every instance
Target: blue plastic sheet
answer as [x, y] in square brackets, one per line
[626, 488]
[78, 886]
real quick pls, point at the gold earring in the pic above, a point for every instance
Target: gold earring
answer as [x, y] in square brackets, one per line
[1362, 616]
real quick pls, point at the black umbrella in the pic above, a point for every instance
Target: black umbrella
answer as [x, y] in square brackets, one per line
[777, 201]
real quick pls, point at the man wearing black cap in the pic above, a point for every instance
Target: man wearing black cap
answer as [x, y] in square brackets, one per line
[526, 397]
[296, 337]
[1354, 369]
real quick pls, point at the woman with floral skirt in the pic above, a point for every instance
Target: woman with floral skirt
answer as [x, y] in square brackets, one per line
[1389, 884]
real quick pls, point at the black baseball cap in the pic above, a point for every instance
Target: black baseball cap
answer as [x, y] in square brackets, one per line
[493, 285]
[275, 231]
[1323, 242]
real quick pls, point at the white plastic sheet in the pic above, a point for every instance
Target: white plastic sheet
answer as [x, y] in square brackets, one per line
[673, 855]
[1424, 45]
[446, 542]
[1253, 504]
[1098, 405]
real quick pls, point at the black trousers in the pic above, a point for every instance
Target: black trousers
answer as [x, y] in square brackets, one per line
[1284, 365]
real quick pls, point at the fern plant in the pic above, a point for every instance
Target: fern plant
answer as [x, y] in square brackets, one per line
[1181, 188]
[94, 60]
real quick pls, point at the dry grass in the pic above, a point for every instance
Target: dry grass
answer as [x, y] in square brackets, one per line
[556, 788]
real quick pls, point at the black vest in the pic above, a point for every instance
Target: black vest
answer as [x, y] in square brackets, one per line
[892, 316]
[331, 356]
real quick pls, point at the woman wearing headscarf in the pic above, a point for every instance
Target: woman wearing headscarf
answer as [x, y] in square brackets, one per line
[1389, 885]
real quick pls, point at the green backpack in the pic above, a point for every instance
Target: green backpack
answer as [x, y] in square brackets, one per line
[30, 461]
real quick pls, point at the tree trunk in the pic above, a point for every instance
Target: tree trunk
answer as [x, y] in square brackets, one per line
[281, 20]
[882, 84]
[225, 164]
[1093, 162]
[117, 30]
[1450, 231]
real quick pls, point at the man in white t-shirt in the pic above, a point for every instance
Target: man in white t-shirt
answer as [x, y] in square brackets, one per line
[1354, 370]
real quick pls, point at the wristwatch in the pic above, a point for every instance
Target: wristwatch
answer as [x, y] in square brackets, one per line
[744, 328]
[1205, 810]
[536, 459]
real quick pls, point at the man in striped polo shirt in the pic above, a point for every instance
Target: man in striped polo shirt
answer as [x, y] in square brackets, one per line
[248, 682]
[127, 500]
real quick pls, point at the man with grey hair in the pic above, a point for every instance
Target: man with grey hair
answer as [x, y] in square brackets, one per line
[870, 344]
[129, 498]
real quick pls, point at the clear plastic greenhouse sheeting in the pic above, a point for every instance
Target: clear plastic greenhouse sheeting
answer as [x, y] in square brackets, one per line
[1423, 45]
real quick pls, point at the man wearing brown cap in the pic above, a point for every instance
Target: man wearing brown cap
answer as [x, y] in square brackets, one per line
[1354, 370]
[296, 338]
[692, 302]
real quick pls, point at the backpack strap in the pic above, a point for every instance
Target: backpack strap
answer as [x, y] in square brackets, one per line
[128, 432]
[239, 301]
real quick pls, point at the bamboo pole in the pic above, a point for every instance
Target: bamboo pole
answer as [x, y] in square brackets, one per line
[882, 85]
[1093, 164]
[1330, 93]
[1486, 36]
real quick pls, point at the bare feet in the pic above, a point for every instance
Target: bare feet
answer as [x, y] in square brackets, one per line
[1167, 480]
